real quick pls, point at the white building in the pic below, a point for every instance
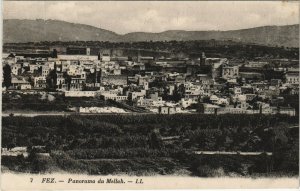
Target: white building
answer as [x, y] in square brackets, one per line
[186, 102]
[229, 72]
[45, 71]
[113, 96]
[81, 93]
[16, 69]
[135, 95]
[40, 82]
[292, 78]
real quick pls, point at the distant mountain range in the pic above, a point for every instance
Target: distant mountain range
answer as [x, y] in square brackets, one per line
[15, 30]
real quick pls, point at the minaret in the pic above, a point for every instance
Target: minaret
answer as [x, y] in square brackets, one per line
[88, 51]
[202, 59]
[95, 68]
[99, 55]
[111, 53]
[139, 56]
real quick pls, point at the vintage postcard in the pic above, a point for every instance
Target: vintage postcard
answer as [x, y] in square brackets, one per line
[149, 95]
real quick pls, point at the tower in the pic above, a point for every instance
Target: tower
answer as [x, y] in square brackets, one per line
[202, 59]
[139, 56]
[88, 51]
[99, 55]
[54, 53]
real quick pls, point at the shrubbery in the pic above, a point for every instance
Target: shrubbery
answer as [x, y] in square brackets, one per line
[76, 141]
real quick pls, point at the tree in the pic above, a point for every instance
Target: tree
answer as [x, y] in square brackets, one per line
[30, 81]
[99, 56]
[84, 87]
[68, 79]
[7, 76]
[54, 53]
[51, 79]
[98, 76]
[155, 140]
[177, 93]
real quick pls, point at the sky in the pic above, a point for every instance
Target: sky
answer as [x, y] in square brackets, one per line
[153, 16]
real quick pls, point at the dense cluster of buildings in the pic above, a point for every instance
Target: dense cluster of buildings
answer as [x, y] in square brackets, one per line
[161, 84]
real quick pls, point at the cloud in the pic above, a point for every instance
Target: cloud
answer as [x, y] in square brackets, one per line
[153, 16]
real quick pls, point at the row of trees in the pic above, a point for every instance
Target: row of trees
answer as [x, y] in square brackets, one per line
[228, 48]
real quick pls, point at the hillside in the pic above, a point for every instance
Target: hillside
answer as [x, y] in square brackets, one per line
[267, 35]
[53, 30]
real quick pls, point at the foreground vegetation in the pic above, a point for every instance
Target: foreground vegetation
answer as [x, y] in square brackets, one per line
[49, 102]
[154, 144]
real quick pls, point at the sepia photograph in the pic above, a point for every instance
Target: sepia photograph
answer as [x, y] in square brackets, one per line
[150, 94]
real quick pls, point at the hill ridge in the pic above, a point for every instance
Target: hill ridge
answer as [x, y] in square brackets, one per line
[26, 30]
